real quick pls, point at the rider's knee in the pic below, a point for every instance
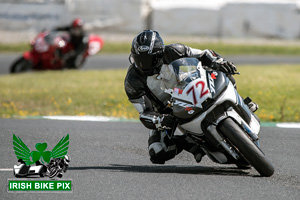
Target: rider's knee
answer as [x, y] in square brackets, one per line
[161, 148]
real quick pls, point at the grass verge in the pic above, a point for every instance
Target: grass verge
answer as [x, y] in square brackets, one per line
[275, 88]
[220, 47]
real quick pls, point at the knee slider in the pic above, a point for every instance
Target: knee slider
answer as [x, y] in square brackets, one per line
[160, 152]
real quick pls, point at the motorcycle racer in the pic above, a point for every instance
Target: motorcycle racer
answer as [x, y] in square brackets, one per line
[79, 41]
[149, 58]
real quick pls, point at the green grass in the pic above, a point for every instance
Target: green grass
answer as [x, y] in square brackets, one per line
[274, 88]
[65, 93]
[8, 48]
[220, 47]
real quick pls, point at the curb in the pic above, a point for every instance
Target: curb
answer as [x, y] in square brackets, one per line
[115, 119]
[78, 118]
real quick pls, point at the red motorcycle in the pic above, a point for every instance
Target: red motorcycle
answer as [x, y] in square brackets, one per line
[47, 50]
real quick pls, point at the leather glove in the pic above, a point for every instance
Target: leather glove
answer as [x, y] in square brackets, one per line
[154, 120]
[167, 121]
[224, 66]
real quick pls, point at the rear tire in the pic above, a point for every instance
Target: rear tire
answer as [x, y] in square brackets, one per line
[246, 147]
[21, 65]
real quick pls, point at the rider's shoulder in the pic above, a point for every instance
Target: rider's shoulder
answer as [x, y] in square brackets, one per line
[131, 70]
[133, 76]
[175, 51]
[134, 87]
[181, 48]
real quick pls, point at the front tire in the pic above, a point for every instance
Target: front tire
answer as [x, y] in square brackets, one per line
[246, 147]
[21, 65]
[53, 172]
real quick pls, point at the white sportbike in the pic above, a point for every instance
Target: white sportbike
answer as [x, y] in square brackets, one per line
[208, 108]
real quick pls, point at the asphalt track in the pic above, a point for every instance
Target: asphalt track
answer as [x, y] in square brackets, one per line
[120, 61]
[109, 160]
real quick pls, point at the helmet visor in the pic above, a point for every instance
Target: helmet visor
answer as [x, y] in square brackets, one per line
[147, 63]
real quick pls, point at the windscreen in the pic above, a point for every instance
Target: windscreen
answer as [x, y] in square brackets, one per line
[185, 71]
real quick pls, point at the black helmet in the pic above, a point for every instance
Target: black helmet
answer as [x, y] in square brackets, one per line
[147, 51]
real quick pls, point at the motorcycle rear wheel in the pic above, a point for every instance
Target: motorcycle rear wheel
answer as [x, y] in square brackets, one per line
[246, 147]
[20, 65]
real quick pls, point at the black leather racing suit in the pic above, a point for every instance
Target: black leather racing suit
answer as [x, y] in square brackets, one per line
[151, 102]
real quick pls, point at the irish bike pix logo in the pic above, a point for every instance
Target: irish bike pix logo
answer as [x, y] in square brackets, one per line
[40, 163]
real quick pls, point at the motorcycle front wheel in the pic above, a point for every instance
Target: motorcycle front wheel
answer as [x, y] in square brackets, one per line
[53, 172]
[21, 65]
[246, 147]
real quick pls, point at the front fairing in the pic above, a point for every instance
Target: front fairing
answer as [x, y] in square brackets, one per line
[196, 88]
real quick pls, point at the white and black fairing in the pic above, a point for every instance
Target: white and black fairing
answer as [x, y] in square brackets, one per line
[204, 97]
[212, 113]
[217, 83]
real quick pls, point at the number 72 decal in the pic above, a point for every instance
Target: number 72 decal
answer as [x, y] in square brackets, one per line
[202, 93]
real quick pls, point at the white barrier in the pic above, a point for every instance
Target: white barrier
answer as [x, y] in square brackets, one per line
[31, 16]
[263, 20]
[186, 21]
[19, 22]
[214, 18]
[116, 15]
[228, 19]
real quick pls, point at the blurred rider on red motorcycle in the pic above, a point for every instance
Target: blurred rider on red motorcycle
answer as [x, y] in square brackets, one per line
[149, 59]
[79, 41]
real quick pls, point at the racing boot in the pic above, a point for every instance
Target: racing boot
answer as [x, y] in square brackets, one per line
[188, 144]
[197, 152]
